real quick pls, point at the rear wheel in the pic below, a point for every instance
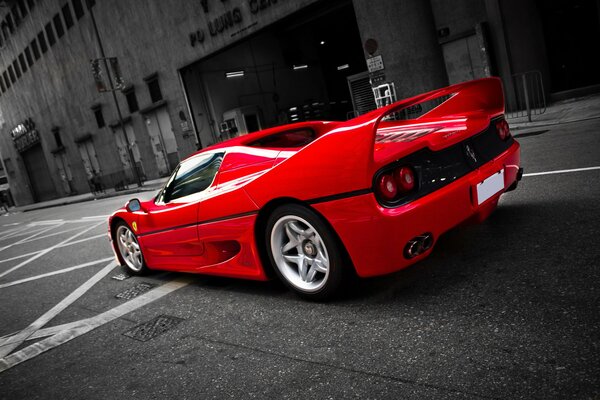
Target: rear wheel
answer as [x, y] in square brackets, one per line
[304, 252]
[130, 251]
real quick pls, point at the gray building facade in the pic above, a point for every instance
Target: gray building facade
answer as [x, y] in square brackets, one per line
[197, 72]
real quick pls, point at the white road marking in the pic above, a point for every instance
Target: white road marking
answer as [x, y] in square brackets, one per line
[60, 271]
[102, 235]
[47, 222]
[51, 234]
[20, 256]
[47, 250]
[89, 324]
[20, 337]
[20, 232]
[97, 217]
[562, 171]
[13, 224]
[28, 238]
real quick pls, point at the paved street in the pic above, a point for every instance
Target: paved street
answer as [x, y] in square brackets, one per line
[506, 309]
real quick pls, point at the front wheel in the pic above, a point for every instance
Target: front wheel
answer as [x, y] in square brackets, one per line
[304, 252]
[130, 251]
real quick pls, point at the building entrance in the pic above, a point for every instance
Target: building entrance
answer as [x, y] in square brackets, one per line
[42, 187]
[292, 71]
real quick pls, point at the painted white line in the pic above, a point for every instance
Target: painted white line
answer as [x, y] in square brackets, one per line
[97, 217]
[51, 234]
[89, 324]
[102, 235]
[21, 232]
[13, 224]
[562, 171]
[54, 311]
[49, 249]
[28, 238]
[60, 271]
[47, 222]
[19, 256]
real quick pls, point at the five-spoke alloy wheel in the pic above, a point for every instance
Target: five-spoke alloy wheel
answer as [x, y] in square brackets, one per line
[303, 251]
[129, 249]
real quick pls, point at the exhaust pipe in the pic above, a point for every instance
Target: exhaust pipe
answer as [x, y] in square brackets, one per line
[418, 245]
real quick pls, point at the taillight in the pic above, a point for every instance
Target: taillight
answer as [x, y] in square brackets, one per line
[388, 189]
[503, 129]
[405, 178]
[394, 184]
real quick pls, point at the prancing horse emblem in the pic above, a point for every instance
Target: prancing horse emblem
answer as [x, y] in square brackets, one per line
[471, 153]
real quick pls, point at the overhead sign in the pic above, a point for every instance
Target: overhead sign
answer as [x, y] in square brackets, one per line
[375, 63]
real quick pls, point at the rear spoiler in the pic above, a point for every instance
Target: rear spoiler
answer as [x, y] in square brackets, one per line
[484, 96]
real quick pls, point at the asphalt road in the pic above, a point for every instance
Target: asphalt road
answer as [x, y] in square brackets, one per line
[506, 309]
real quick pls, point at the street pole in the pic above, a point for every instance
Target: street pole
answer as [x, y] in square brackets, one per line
[112, 90]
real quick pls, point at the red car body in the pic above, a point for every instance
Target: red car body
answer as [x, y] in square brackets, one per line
[338, 174]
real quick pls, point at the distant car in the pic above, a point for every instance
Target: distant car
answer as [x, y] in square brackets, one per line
[313, 201]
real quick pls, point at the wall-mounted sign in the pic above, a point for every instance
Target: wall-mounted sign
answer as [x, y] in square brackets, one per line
[227, 20]
[375, 63]
[25, 135]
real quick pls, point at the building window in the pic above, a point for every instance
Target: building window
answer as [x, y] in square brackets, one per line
[17, 69]
[12, 74]
[22, 7]
[42, 42]
[28, 56]
[50, 34]
[30, 3]
[15, 15]
[22, 62]
[78, 8]
[90, 3]
[2, 85]
[153, 88]
[35, 49]
[6, 80]
[57, 138]
[9, 23]
[99, 117]
[66, 12]
[60, 31]
[132, 103]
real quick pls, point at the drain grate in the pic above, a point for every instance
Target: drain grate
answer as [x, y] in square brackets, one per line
[135, 291]
[121, 277]
[153, 328]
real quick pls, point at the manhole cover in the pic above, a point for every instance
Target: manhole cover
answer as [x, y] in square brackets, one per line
[135, 291]
[121, 276]
[153, 328]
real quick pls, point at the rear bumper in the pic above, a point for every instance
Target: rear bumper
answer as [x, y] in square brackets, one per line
[375, 237]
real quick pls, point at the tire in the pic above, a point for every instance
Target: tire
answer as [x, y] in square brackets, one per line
[130, 251]
[304, 252]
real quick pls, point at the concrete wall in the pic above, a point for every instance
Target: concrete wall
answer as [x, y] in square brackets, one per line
[405, 32]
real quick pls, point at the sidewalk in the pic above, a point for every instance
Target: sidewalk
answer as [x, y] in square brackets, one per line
[562, 112]
[149, 186]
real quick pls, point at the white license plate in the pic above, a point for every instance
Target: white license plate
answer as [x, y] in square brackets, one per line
[490, 186]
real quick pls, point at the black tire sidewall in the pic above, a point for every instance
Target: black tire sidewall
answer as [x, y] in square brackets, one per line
[144, 268]
[330, 240]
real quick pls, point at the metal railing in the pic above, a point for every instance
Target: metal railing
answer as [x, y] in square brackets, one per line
[529, 96]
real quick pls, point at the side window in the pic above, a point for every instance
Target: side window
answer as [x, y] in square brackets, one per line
[191, 176]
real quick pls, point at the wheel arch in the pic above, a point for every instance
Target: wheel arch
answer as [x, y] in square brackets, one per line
[261, 224]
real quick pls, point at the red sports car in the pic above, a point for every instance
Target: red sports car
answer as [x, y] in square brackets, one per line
[313, 201]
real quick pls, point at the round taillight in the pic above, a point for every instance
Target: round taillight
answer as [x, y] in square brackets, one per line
[503, 129]
[387, 186]
[405, 178]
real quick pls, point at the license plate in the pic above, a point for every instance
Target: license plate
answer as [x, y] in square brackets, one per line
[490, 186]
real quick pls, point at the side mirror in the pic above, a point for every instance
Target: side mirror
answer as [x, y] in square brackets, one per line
[134, 205]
